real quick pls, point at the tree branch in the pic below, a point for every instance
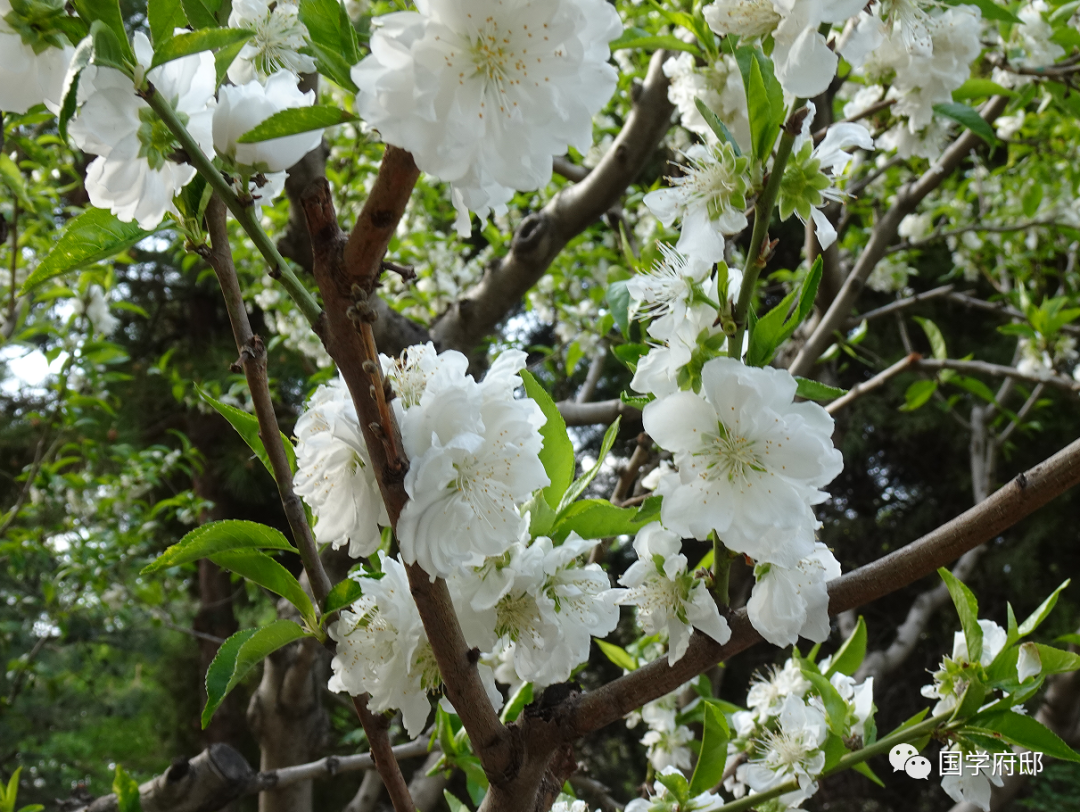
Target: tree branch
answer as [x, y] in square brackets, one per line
[882, 236]
[1001, 309]
[873, 383]
[541, 236]
[898, 305]
[1000, 370]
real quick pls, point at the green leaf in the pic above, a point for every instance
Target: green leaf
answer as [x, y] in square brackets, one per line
[968, 117]
[1056, 661]
[850, 655]
[69, 93]
[979, 89]
[718, 127]
[345, 593]
[815, 390]
[206, 39]
[1027, 732]
[127, 791]
[224, 58]
[582, 482]
[332, 39]
[165, 16]
[541, 515]
[91, 237]
[836, 709]
[1035, 619]
[990, 10]
[597, 519]
[453, 802]
[774, 328]
[516, 704]
[107, 12]
[239, 654]
[296, 120]
[618, 655]
[967, 607]
[557, 455]
[198, 14]
[257, 567]
[108, 51]
[763, 130]
[247, 426]
[640, 39]
[220, 537]
[712, 758]
[975, 387]
[862, 768]
[630, 354]
[618, 301]
[936, 339]
[917, 394]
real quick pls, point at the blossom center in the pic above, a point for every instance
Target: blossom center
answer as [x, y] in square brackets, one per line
[497, 64]
[730, 456]
[517, 614]
[785, 749]
[718, 181]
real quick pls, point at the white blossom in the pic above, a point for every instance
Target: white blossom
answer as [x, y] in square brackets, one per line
[96, 308]
[669, 599]
[950, 680]
[719, 86]
[474, 452]
[1028, 662]
[709, 199]
[767, 694]
[792, 602]
[973, 784]
[484, 92]
[750, 460]
[792, 751]
[334, 474]
[279, 36]
[30, 75]
[133, 175]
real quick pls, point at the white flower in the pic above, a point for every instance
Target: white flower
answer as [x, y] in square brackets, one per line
[673, 287]
[803, 60]
[667, 747]
[973, 784]
[668, 597]
[791, 751]
[474, 453]
[279, 35]
[950, 680]
[30, 75]
[709, 198]
[666, 801]
[570, 806]
[767, 694]
[334, 474]
[1028, 662]
[484, 92]
[242, 107]
[410, 374]
[915, 226]
[719, 87]
[807, 183]
[543, 602]
[97, 310]
[750, 460]
[133, 175]
[792, 602]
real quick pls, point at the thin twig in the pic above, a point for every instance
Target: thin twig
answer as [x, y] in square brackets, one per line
[898, 305]
[1021, 413]
[938, 236]
[872, 384]
[1000, 370]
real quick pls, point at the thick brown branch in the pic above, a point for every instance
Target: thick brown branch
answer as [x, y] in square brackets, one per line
[883, 234]
[541, 236]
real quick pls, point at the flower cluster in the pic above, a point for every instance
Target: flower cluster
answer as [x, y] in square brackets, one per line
[485, 100]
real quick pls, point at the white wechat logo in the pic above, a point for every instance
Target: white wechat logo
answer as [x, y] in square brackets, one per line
[905, 757]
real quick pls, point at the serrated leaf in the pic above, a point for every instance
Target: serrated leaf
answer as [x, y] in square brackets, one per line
[108, 51]
[259, 568]
[127, 791]
[774, 328]
[239, 654]
[344, 593]
[718, 127]
[850, 655]
[164, 17]
[864, 769]
[816, 390]
[836, 709]
[453, 802]
[618, 301]
[332, 39]
[206, 39]
[557, 454]
[1027, 732]
[1056, 661]
[91, 237]
[1035, 619]
[296, 120]
[219, 537]
[968, 117]
[247, 426]
[224, 58]
[967, 607]
[918, 394]
[583, 481]
[763, 130]
[712, 758]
